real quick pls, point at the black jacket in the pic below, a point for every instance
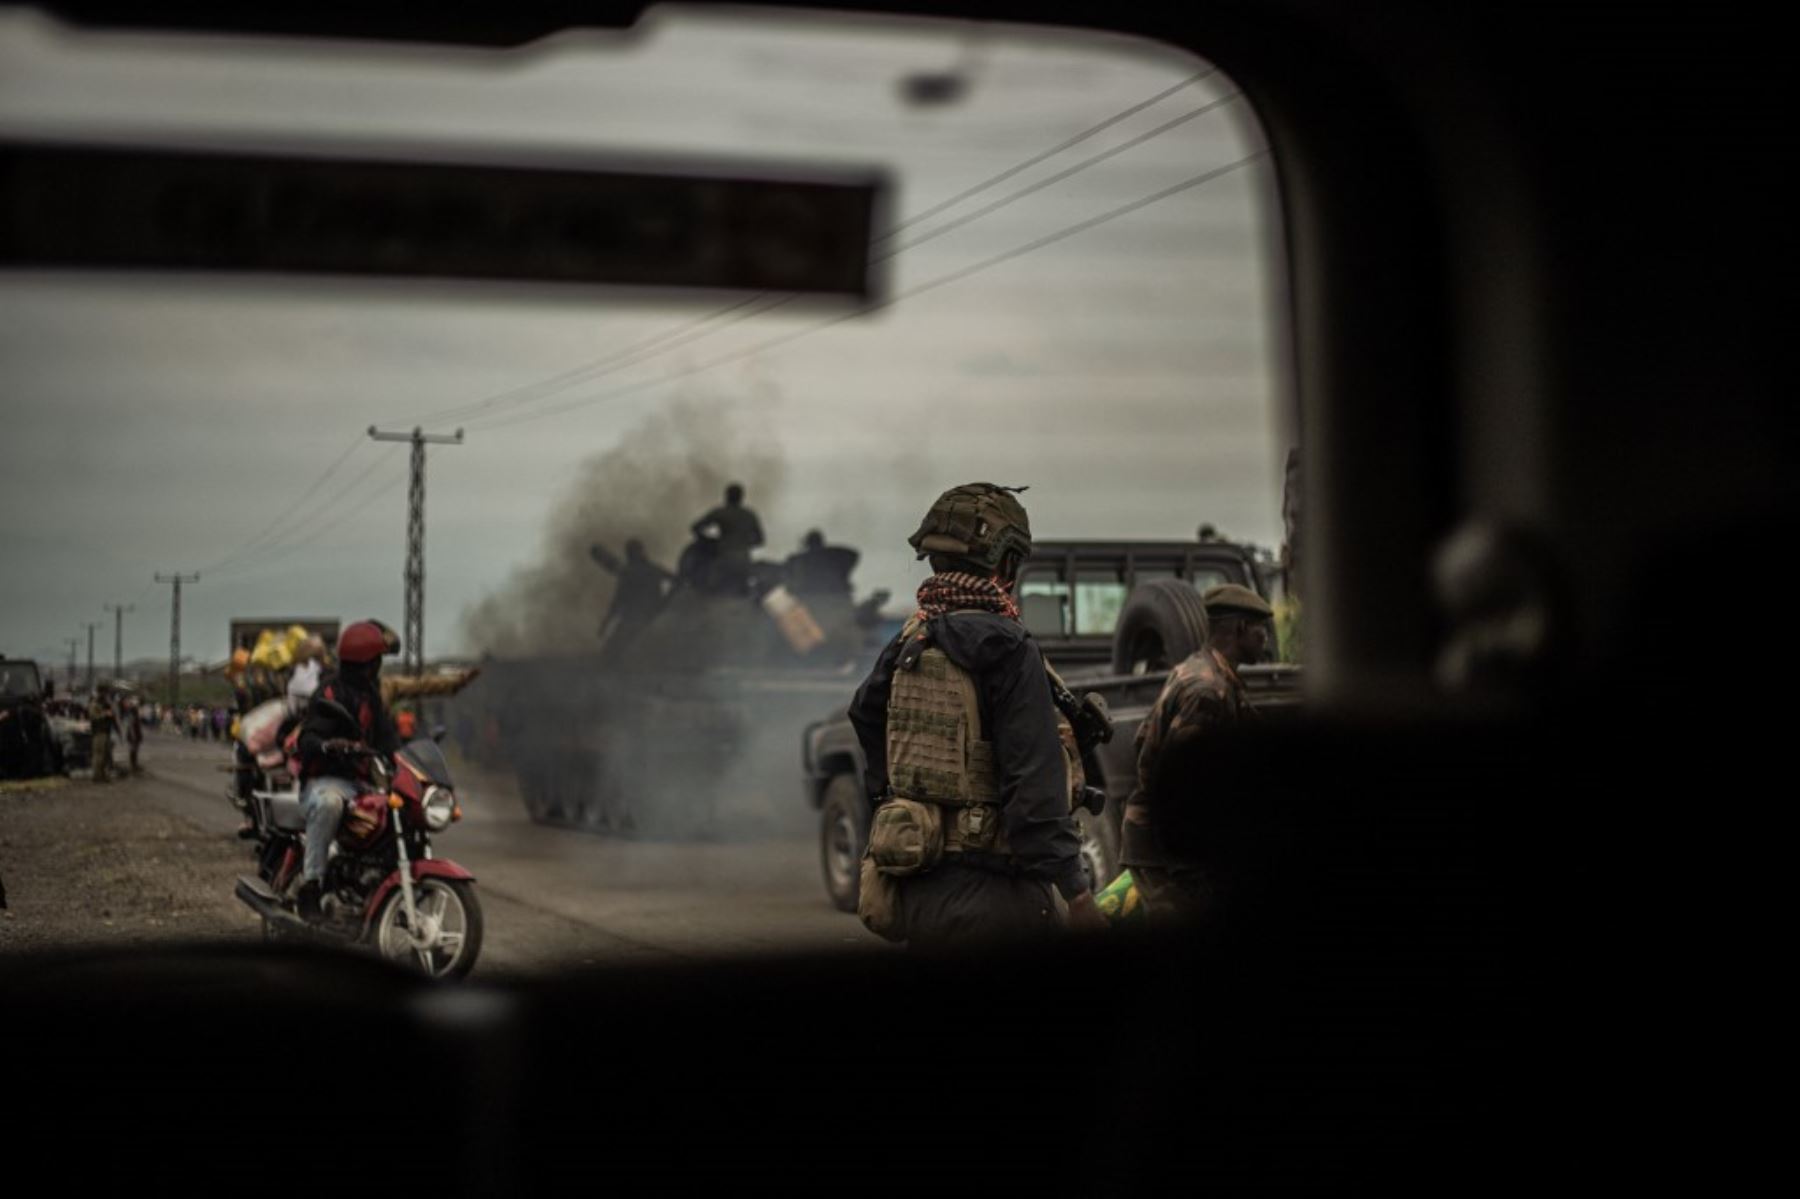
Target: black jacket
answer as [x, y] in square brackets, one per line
[360, 694]
[1018, 716]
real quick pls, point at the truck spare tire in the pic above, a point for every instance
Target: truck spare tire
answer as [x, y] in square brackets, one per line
[1162, 623]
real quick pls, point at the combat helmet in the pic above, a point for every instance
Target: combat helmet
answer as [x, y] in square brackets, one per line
[982, 522]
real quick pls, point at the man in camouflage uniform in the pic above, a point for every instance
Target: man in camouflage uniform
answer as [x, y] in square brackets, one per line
[100, 724]
[971, 776]
[1202, 696]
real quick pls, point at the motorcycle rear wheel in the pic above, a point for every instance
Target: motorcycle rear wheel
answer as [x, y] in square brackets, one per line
[452, 905]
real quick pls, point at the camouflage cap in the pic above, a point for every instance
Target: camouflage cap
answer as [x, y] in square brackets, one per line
[1233, 599]
[979, 521]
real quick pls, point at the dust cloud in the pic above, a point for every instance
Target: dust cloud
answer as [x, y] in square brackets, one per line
[695, 733]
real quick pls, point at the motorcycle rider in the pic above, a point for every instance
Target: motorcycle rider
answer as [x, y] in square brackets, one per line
[328, 773]
[309, 665]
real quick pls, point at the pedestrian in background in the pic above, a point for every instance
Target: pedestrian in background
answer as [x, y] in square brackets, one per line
[100, 724]
[134, 732]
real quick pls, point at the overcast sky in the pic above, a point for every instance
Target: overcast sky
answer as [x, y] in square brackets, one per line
[1130, 374]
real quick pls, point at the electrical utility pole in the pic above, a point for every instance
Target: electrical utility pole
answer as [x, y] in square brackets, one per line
[118, 611]
[413, 648]
[91, 626]
[69, 683]
[178, 579]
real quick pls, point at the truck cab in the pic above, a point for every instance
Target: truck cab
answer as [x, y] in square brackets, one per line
[1072, 594]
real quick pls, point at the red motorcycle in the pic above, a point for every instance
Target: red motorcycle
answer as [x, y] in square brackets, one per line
[383, 888]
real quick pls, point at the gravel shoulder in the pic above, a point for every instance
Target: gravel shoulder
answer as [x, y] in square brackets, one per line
[89, 863]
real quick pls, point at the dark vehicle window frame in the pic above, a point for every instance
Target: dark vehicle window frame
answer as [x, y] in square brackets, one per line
[1467, 212]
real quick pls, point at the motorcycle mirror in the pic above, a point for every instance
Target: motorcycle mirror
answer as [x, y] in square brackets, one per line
[439, 732]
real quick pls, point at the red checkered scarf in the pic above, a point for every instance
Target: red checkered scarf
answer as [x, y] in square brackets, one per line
[959, 592]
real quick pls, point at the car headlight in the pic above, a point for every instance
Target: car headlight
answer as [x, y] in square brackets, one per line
[439, 808]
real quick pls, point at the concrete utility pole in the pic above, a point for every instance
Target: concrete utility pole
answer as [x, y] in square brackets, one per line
[118, 611]
[91, 626]
[413, 638]
[178, 579]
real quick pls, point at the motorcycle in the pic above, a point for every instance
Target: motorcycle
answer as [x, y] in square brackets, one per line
[383, 889]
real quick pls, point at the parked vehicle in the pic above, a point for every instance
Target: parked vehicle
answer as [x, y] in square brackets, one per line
[74, 735]
[29, 745]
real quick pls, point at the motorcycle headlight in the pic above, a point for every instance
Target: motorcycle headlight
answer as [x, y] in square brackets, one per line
[439, 808]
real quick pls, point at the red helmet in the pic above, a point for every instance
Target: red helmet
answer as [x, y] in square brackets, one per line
[363, 641]
[388, 637]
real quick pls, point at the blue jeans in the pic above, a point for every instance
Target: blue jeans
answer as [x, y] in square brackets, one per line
[322, 803]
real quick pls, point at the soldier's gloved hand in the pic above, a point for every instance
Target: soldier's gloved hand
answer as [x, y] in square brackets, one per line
[1084, 914]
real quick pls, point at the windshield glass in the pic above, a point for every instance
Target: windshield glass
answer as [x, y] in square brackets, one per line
[648, 540]
[19, 680]
[424, 753]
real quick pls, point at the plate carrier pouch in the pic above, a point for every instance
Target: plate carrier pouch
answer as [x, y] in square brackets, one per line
[944, 790]
[944, 786]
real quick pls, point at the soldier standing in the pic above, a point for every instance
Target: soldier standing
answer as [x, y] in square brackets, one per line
[973, 833]
[1203, 694]
[734, 531]
[820, 569]
[134, 731]
[100, 724]
[637, 596]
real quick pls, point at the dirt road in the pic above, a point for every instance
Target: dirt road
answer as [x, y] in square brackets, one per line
[154, 858]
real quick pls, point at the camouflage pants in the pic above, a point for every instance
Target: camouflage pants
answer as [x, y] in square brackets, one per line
[955, 904]
[102, 757]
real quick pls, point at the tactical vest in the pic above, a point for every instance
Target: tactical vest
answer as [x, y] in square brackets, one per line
[938, 752]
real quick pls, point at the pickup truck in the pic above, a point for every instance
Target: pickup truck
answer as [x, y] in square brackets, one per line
[1112, 618]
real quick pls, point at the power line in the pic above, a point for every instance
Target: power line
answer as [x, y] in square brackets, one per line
[290, 549]
[262, 554]
[697, 329]
[1052, 152]
[942, 281]
[1004, 201]
[291, 509]
[611, 363]
[1050, 180]
[580, 374]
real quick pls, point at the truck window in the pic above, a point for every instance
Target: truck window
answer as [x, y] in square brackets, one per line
[1044, 602]
[1203, 577]
[1099, 595]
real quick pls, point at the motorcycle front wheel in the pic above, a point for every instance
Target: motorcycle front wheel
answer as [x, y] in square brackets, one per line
[448, 939]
